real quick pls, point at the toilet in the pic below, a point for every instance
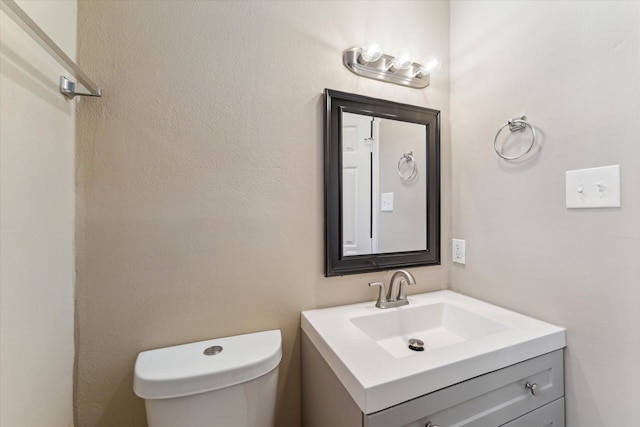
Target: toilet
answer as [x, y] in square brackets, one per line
[224, 382]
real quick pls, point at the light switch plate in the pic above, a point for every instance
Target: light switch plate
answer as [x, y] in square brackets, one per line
[593, 188]
[386, 202]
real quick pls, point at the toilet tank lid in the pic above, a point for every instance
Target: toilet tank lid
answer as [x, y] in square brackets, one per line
[185, 369]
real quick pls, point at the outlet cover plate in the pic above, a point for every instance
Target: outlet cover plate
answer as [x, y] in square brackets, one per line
[458, 251]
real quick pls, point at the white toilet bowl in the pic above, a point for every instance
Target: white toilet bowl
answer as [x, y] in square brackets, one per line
[225, 382]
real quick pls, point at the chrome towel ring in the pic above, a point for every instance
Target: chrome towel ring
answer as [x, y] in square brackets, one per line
[407, 167]
[515, 125]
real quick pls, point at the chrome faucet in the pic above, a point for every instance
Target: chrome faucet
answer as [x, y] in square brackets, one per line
[396, 295]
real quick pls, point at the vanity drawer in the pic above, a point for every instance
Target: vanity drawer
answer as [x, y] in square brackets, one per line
[489, 400]
[550, 415]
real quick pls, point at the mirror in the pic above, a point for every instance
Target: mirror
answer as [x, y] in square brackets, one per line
[382, 184]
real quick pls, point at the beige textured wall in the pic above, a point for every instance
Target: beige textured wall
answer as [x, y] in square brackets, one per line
[37, 136]
[200, 181]
[574, 69]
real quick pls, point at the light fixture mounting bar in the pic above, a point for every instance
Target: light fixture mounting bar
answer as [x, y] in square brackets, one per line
[381, 70]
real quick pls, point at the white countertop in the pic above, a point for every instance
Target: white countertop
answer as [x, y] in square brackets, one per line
[376, 379]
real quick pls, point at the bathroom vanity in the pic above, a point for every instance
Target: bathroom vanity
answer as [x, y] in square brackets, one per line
[481, 366]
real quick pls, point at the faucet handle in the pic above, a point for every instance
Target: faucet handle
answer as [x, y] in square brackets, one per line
[382, 297]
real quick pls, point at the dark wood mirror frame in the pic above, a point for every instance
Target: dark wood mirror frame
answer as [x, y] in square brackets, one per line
[335, 104]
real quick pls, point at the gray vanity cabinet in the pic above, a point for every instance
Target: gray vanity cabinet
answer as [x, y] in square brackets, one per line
[496, 399]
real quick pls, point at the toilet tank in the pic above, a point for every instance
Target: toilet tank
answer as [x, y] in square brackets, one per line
[224, 382]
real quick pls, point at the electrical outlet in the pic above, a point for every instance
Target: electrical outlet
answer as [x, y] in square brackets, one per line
[458, 247]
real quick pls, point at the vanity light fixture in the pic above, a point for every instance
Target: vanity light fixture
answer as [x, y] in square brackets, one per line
[369, 61]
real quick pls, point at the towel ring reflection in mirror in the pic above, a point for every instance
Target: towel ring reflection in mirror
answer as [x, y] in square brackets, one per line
[407, 167]
[515, 125]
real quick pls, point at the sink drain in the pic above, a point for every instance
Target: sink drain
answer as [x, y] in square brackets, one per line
[416, 344]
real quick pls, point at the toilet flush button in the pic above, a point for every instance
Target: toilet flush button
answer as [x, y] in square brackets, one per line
[213, 350]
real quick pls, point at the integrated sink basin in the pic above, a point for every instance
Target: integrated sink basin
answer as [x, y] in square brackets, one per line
[434, 325]
[368, 348]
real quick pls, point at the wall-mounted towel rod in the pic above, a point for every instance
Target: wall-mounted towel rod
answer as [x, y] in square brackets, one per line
[67, 87]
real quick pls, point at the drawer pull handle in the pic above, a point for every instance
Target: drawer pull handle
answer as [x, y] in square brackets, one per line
[533, 388]
[430, 424]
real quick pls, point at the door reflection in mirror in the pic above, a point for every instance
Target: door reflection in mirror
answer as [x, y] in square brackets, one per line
[383, 211]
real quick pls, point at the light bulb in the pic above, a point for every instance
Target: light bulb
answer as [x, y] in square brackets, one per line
[428, 66]
[370, 53]
[401, 62]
